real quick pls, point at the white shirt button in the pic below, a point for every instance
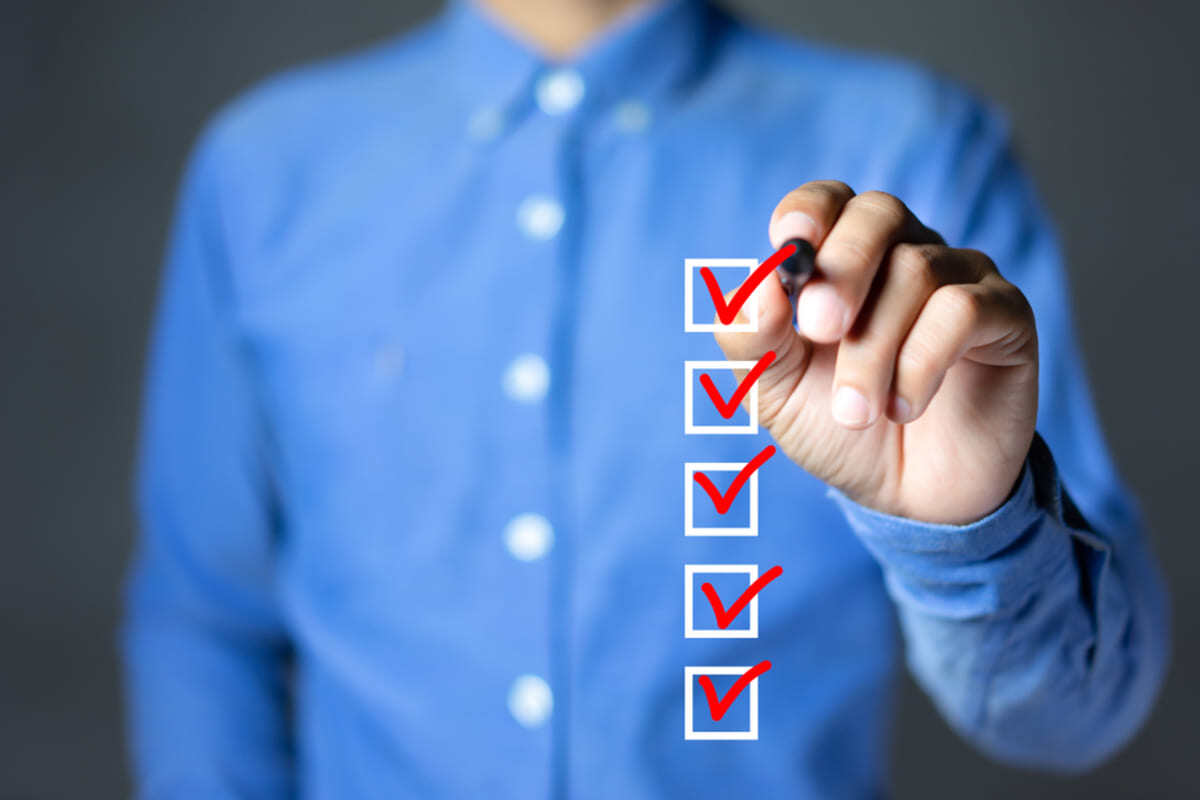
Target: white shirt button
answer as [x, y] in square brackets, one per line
[530, 701]
[528, 537]
[540, 217]
[527, 378]
[632, 116]
[485, 124]
[559, 91]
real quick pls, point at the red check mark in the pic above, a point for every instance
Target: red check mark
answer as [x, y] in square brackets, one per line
[722, 502]
[726, 409]
[718, 707]
[727, 313]
[725, 617]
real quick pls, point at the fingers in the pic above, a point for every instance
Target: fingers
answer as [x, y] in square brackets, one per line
[808, 212]
[866, 356]
[775, 332]
[901, 306]
[774, 324]
[848, 260]
[852, 235]
[988, 322]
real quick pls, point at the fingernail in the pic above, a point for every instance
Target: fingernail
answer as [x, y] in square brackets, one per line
[850, 408]
[901, 410]
[823, 315]
[792, 225]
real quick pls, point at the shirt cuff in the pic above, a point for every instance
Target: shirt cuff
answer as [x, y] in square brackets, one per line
[895, 539]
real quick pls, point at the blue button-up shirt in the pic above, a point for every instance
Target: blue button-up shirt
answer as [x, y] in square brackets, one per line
[413, 470]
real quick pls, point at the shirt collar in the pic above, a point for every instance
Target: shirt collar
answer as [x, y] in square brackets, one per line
[647, 54]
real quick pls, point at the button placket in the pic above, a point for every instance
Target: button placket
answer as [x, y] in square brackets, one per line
[539, 217]
[559, 91]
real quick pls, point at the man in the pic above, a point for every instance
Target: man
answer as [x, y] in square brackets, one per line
[411, 471]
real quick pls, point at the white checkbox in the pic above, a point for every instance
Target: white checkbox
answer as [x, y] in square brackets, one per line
[689, 398]
[690, 266]
[690, 487]
[689, 604]
[689, 681]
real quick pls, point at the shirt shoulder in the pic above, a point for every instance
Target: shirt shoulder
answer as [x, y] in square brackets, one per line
[808, 111]
[804, 76]
[288, 116]
[263, 159]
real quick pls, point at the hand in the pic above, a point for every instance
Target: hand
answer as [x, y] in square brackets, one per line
[911, 385]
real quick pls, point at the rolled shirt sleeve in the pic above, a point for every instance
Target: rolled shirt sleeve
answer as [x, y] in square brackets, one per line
[1040, 631]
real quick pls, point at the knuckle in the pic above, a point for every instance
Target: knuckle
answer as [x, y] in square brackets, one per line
[834, 189]
[826, 197]
[912, 362]
[870, 366]
[975, 266]
[1022, 303]
[916, 266]
[848, 253]
[888, 207]
[1014, 301]
[915, 363]
[962, 303]
[986, 265]
[1010, 293]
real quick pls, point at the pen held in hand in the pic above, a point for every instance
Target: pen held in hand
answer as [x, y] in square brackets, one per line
[795, 270]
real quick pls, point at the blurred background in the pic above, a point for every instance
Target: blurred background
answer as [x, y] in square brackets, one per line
[100, 100]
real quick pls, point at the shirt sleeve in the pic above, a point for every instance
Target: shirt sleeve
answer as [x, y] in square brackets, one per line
[205, 653]
[1041, 631]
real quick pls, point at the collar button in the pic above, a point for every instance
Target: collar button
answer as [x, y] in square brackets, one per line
[559, 91]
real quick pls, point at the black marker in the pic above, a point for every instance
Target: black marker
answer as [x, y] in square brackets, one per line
[795, 270]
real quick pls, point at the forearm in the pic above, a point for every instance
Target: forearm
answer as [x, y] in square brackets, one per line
[1041, 640]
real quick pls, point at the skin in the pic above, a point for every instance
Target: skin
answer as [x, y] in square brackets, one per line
[911, 384]
[909, 379]
[559, 28]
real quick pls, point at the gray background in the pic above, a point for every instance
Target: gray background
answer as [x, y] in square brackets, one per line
[99, 102]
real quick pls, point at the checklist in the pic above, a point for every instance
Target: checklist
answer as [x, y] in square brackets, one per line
[720, 498]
